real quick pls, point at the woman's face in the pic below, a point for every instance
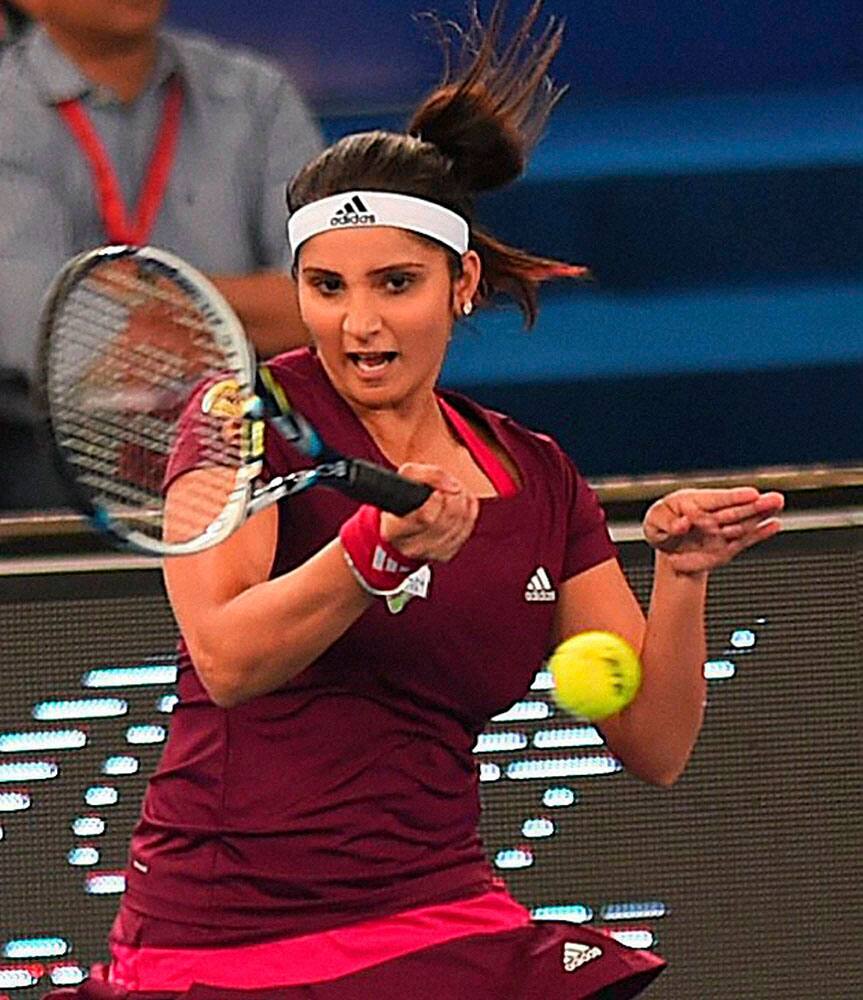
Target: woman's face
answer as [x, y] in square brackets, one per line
[380, 304]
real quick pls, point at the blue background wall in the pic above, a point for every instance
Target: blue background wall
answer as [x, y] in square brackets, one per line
[353, 55]
[707, 163]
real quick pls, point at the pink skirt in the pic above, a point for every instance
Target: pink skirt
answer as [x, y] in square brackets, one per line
[482, 948]
[547, 961]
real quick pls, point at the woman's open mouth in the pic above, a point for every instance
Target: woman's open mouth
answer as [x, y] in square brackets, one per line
[371, 362]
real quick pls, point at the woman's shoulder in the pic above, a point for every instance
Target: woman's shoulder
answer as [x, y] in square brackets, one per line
[300, 362]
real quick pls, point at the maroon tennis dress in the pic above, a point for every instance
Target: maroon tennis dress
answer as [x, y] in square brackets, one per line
[321, 841]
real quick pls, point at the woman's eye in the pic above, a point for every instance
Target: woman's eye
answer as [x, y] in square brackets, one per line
[398, 281]
[327, 285]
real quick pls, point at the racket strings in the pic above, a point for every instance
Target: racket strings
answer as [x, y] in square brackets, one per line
[129, 351]
[145, 363]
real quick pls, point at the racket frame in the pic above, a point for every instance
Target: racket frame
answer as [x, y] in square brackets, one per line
[230, 338]
[263, 402]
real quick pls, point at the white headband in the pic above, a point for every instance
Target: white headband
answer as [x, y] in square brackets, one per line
[359, 209]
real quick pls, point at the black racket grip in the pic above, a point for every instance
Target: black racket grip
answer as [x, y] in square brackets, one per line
[382, 488]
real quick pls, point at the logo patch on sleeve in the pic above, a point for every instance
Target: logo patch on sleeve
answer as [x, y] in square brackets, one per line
[223, 399]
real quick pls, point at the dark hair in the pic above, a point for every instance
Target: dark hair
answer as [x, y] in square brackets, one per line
[16, 20]
[472, 133]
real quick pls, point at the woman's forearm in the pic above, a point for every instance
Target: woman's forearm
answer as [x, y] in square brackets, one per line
[656, 734]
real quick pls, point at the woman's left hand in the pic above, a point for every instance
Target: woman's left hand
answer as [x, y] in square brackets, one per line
[698, 530]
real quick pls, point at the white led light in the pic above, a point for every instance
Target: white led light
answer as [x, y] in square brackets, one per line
[574, 913]
[121, 765]
[558, 797]
[80, 708]
[633, 911]
[105, 883]
[524, 711]
[719, 670]
[146, 734]
[39, 770]
[14, 801]
[67, 975]
[88, 826]
[101, 795]
[634, 938]
[162, 673]
[49, 947]
[82, 856]
[489, 772]
[513, 859]
[582, 766]
[60, 739]
[13, 979]
[742, 638]
[580, 736]
[492, 742]
[539, 827]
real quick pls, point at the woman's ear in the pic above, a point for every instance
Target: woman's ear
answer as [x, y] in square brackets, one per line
[466, 284]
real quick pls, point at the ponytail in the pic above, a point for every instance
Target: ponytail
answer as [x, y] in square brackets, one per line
[488, 113]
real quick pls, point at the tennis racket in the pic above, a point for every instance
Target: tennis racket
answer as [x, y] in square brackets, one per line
[140, 357]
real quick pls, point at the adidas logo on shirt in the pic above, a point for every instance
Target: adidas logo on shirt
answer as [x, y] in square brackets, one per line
[353, 213]
[575, 955]
[539, 587]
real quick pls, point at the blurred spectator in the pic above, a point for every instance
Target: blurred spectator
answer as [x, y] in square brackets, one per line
[12, 22]
[117, 130]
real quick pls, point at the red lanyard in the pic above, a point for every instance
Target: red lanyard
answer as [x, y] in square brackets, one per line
[118, 227]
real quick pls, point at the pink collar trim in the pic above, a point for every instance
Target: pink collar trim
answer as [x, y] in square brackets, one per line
[483, 455]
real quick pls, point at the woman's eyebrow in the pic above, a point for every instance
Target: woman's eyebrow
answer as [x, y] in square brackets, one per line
[395, 266]
[398, 266]
[311, 269]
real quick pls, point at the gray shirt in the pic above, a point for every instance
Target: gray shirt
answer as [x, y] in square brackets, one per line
[244, 132]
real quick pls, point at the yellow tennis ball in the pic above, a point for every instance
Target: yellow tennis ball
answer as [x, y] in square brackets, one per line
[596, 674]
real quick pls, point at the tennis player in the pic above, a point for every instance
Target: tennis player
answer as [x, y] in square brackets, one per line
[312, 829]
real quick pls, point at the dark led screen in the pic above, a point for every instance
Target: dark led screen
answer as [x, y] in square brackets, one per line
[746, 875]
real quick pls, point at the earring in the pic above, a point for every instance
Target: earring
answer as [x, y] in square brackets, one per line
[467, 308]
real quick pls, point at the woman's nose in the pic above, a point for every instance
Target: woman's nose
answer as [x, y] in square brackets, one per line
[361, 318]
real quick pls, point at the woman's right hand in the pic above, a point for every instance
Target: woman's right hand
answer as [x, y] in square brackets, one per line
[437, 530]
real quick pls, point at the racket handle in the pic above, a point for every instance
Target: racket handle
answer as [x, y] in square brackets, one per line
[388, 490]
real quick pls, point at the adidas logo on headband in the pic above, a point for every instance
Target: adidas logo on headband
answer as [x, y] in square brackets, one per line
[379, 208]
[353, 213]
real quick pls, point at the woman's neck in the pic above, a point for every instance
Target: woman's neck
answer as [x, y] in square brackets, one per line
[122, 66]
[407, 434]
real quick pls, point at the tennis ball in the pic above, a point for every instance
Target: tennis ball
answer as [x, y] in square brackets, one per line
[596, 674]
